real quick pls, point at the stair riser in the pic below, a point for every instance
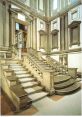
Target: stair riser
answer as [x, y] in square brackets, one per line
[39, 99]
[24, 76]
[63, 86]
[65, 93]
[30, 86]
[27, 81]
[35, 92]
[61, 81]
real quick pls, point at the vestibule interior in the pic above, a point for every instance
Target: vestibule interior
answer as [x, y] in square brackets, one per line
[44, 38]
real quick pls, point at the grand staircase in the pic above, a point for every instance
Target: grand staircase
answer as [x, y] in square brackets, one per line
[34, 78]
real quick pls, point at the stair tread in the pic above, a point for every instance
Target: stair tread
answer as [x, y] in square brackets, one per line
[18, 69]
[26, 79]
[23, 75]
[37, 96]
[34, 89]
[21, 72]
[16, 66]
[61, 78]
[70, 88]
[29, 84]
[65, 84]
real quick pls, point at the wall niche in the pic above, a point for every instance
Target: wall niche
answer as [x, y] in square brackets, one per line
[43, 40]
[54, 34]
[74, 33]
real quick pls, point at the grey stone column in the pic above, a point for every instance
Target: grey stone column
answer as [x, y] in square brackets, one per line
[5, 24]
[12, 27]
[1, 24]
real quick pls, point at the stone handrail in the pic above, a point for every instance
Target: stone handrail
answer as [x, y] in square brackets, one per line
[58, 64]
[14, 49]
[13, 90]
[70, 71]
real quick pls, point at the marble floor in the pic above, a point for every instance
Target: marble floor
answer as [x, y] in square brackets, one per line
[67, 105]
[54, 105]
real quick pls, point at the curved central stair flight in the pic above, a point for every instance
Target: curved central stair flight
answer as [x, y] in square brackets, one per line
[63, 82]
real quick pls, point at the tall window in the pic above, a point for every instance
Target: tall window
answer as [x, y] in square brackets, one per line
[27, 2]
[73, 1]
[54, 4]
[40, 4]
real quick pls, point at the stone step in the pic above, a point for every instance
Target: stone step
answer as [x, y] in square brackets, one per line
[22, 80]
[37, 96]
[33, 89]
[29, 84]
[18, 69]
[64, 84]
[21, 72]
[13, 62]
[61, 78]
[23, 75]
[15, 65]
[69, 89]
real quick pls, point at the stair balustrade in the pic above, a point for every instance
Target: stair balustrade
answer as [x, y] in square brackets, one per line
[14, 91]
[14, 51]
[45, 76]
[61, 68]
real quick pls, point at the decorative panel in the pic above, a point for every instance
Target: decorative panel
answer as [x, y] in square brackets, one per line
[75, 33]
[74, 36]
[55, 41]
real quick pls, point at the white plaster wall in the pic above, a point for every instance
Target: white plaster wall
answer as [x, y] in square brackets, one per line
[27, 2]
[75, 61]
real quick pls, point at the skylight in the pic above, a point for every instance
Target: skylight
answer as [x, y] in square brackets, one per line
[54, 4]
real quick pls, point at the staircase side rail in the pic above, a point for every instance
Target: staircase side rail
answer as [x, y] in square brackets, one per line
[47, 75]
[55, 62]
[70, 71]
[18, 97]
